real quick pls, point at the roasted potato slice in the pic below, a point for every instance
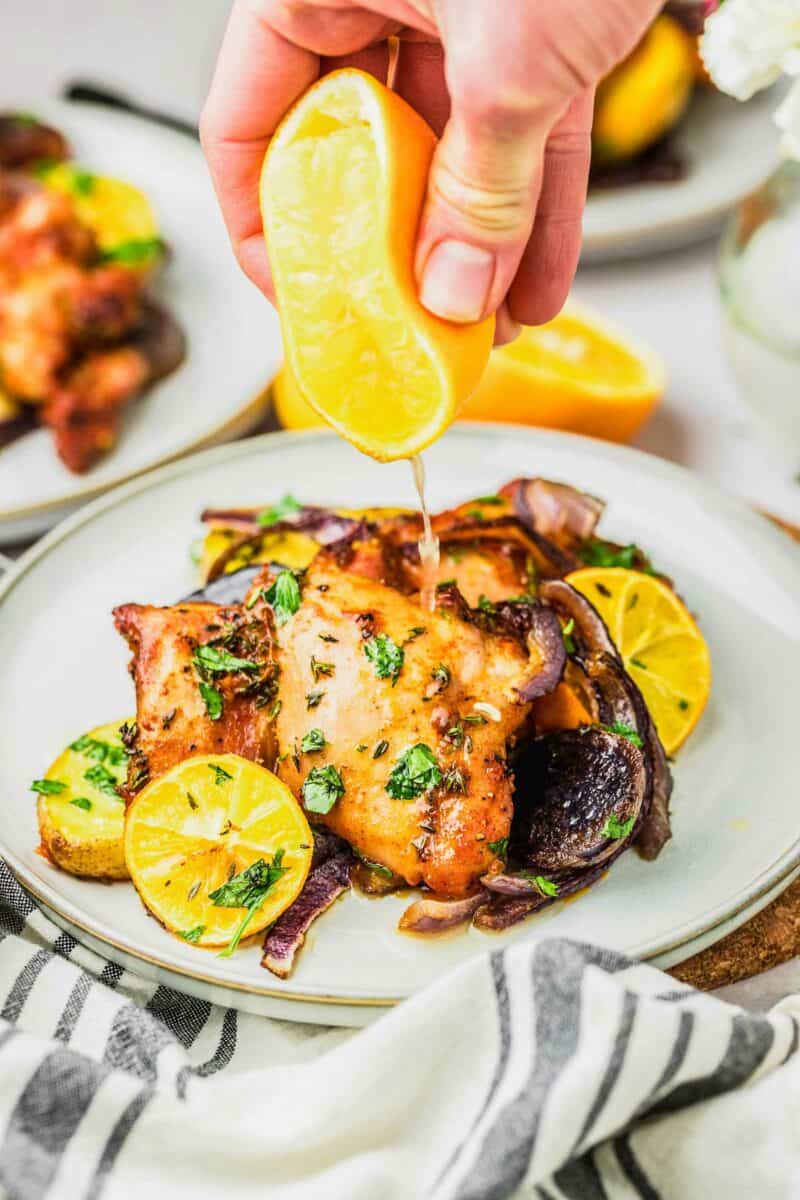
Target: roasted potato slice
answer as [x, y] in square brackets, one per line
[81, 816]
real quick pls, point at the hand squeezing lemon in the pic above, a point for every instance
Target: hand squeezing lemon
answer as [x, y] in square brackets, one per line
[342, 190]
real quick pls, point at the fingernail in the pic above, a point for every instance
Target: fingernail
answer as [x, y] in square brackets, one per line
[457, 280]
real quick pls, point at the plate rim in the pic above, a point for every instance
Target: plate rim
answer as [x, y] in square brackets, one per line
[245, 415]
[634, 239]
[730, 506]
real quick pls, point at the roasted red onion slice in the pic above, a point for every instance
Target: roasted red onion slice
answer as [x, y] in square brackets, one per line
[579, 796]
[503, 911]
[555, 511]
[325, 884]
[434, 914]
[617, 700]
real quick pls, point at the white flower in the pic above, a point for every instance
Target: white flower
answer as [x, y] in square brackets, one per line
[787, 118]
[748, 44]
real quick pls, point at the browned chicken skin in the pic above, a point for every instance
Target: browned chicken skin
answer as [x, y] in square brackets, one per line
[442, 838]
[77, 336]
[172, 718]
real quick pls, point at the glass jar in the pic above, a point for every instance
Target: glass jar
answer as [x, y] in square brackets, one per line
[759, 275]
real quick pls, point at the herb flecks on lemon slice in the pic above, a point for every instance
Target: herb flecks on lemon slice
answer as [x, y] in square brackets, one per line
[661, 646]
[343, 185]
[217, 848]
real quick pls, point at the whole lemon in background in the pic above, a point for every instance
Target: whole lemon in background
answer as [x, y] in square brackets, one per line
[646, 95]
[343, 184]
[575, 373]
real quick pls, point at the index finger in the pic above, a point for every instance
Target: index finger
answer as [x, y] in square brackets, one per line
[258, 76]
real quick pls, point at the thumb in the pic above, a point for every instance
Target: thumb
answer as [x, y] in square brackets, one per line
[483, 189]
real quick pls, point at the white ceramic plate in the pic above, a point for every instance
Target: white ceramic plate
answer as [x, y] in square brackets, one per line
[234, 346]
[735, 807]
[730, 149]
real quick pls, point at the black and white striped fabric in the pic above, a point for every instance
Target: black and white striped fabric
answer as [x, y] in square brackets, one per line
[556, 1071]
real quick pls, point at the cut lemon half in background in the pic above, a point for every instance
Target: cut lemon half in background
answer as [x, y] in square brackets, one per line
[576, 373]
[214, 830]
[661, 646]
[342, 189]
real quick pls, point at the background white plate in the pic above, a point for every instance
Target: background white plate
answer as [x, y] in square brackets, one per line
[735, 807]
[730, 148]
[234, 346]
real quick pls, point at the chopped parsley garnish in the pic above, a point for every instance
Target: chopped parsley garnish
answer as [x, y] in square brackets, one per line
[220, 774]
[415, 631]
[322, 788]
[48, 787]
[637, 662]
[274, 711]
[193, 935]
[313, 699]
[380, 748]
[683, 705]
[566, 633]
[626, 731]
[476, 514]
[446, 583]
[137, 250]
[284, 596]
[103, 780]
[485, 604]
[500, 847]
[82, 802]
[361, 747]
[208, 660]
[313, 741]
[192, 802]
[475, 719]
[596, 553]
[416, 771]
[616, 829]
[320, 668]
[377, 867]
[545, 886]
[101, 752]
[386, 656]
[441, 675]
[287, 506]
[489, 500]
[248, 890]
[212, 698]
[327, 637]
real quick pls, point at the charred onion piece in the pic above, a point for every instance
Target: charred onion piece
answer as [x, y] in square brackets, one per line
[322, 524]
[590, 634]
[434, 914]
[503, 911]
[574, 783]
[539, 631]
[160, 339]
[555, 511]
[228, 589]
[324, 885]
[617, 700]
[25, 141]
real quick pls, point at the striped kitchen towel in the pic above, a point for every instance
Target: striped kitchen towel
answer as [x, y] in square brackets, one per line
[552, 1070]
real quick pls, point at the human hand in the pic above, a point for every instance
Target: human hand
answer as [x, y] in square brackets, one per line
[511, 91]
